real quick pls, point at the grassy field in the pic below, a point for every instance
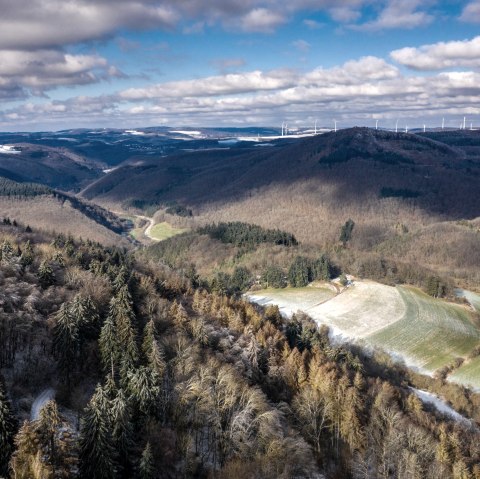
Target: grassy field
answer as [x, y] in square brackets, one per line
[430, 334]
[163, 231]
[426, 333]
[468, 374]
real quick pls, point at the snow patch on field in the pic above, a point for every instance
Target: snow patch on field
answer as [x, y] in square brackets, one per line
[439, 404]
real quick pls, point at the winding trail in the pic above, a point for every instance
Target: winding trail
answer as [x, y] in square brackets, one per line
[45, 396]
[148, 230]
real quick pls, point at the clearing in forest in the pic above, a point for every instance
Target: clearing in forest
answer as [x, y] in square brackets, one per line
[163, 231]
[425, 332]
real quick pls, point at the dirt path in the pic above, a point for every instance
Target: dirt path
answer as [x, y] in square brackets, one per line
[148, 230]
[45, 396]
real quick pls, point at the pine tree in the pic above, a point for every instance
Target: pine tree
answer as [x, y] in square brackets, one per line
[66, 342]
[27, 462]
[26, 258]
[108, 344]
[122, 431]
[46, 275]
[8, 427]
[144, 389]
[151, 349]
[146, 467]
[97, 453]
[47, 427]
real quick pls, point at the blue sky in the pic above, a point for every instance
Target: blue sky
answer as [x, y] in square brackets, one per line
[130, 63]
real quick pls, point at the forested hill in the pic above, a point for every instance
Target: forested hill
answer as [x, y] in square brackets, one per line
[359, 163]
[170, 380]
[35, 204]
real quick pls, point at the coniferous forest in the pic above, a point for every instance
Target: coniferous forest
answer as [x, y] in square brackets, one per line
[152, 376]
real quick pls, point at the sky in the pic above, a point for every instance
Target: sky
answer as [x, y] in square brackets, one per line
[137, 63]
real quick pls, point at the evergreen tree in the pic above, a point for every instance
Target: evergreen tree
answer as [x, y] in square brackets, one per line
[274, 277]
[146, 467]
[8, 427]
[97, 453]
[46, 275]
[66, 343]
[299, 274]
[47, 426]
[109, 349]
[122, 432]
[27, 461]
[26, 258]
[346, 231]
[144, 389]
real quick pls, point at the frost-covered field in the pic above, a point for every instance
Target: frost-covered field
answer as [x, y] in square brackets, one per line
[472, 298]
[426, 333]
[468, 374]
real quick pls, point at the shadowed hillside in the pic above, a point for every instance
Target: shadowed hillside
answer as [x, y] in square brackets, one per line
[353, 165]
[55, 167]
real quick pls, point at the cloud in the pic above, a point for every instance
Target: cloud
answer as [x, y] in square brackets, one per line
[398, 14]
[302, 45]
[262, 20]
[29, 73]
[471, 12]
[440, 55]
[231, 83]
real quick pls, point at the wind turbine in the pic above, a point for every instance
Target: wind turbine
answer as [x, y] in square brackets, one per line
[315, 127]
[424, 128]
[335, 121]
[471, 126]
[282, 127]
[376, 124]
[464, 122]
[406, 128]
[396, 127]
[443, 123]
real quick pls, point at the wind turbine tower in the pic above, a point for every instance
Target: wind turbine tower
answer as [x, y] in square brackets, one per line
[464, 119]
[335, 121]
[424, 128]
[443, 123]
[396, 127]
[406, 128]
[315, 127]
[376, 124]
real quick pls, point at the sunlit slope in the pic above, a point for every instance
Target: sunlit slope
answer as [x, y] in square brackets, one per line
[468, 373]
[425, 332]
[431, 333]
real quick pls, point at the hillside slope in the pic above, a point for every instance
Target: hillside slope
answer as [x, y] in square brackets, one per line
[412, 198]
[55, 167]
[41, 207]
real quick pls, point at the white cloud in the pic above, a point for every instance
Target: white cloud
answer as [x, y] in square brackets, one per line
[471, 12]
[36, 72]
[440, 55]
[262, 20]
[403, 14]
[228, 84]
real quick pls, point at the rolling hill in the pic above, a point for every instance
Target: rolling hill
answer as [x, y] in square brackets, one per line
[41, 207]
[413, 198]
[55, 167]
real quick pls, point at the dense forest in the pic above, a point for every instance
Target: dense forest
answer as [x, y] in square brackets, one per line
[156, 375]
